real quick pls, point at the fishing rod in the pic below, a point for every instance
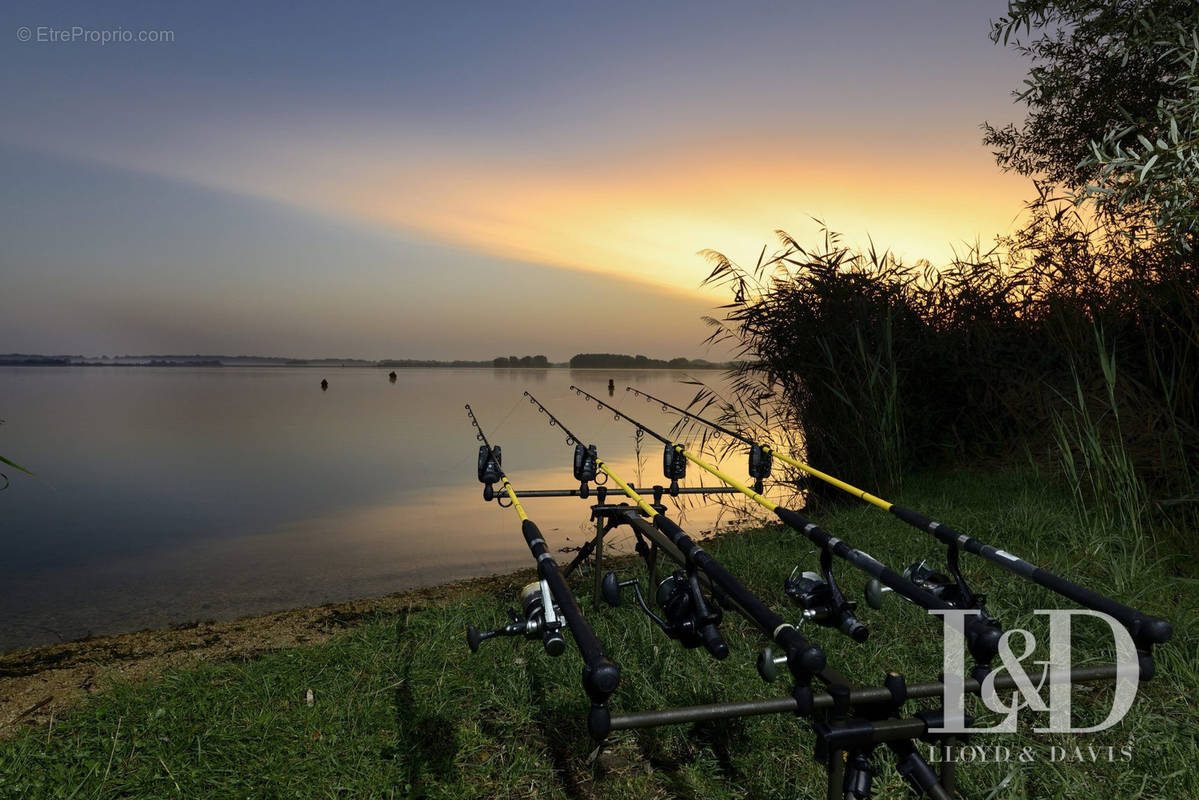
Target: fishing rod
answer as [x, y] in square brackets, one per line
[690, 617]
[802, 658]
[982, 632]
[543, 601]
[1146, 630]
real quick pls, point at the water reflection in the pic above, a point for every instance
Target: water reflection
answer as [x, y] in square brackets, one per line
[525, 375]
[216, 492]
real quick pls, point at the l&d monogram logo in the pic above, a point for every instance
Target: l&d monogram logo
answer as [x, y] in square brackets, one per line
[1055, 671]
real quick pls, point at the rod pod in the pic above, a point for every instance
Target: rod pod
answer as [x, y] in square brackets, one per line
[855, 781]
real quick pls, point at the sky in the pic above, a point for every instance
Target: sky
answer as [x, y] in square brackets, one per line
[466, 180]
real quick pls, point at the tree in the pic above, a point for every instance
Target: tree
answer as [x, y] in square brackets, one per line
[1113, 108]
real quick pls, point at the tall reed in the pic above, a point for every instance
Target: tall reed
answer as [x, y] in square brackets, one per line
[1108, 491]
[887, 367]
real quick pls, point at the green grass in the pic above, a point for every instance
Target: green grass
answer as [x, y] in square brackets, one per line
[401, 709]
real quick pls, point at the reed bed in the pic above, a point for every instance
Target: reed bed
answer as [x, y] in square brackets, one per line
[1072, 348]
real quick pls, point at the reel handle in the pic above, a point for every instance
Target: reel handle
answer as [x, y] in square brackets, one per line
[610, 588]
[874, 593]
[768, 664]
[823, 603]
[474, 638]
[859, 776]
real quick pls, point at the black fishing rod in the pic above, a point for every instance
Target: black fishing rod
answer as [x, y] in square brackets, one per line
[803, 658]
[601, 675]
[982, 632]
[1146, 630]
[689, 616]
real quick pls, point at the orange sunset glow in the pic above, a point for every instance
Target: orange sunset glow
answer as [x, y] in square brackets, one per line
[391, 186]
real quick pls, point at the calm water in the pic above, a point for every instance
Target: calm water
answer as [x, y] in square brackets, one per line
[173, 494]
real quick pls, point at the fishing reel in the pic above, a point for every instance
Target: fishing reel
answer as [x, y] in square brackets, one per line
[541, 620]
[586, 468]
[674, 467]
[951, 590]
[489, 469]
[687, 615]
[823, 603]
[983, 632]
[760, 464]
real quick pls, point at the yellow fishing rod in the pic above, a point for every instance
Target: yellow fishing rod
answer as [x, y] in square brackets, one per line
[982, 632]
[1146, 630]
[803, 658]
[542, 602]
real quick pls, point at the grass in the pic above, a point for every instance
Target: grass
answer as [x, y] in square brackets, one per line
[401, 709]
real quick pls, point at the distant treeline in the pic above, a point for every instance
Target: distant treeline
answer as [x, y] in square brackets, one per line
[623, 361]
[580, 361]
[21, 360]
[413, 363]
[522, 361]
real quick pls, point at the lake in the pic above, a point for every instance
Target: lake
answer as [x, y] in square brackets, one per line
[164, 495]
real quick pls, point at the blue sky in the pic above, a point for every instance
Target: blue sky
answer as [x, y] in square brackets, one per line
[459, 180]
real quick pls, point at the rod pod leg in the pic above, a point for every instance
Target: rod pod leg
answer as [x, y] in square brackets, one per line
[859, 775]
[917, 772]
[836, 775]
[949, 769]
[597, 594]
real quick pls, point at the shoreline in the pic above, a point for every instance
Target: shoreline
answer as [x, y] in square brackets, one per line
[337, 364]
[37, 683]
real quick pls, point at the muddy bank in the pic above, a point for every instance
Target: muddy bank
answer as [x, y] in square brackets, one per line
[37, 683]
